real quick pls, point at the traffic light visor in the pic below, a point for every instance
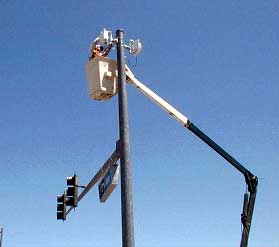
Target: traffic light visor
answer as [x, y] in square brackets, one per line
[61, 207]
[72, 181]
[71, 201]
[61, 199]
[71, 191]
[61, 216]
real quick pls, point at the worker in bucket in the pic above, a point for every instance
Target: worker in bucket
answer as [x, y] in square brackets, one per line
[97, 50]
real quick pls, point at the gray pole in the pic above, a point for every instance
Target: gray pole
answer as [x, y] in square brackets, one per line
[1, 236]
[125, 162]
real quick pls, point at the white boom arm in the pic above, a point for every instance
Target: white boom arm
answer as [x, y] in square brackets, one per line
[250, 179]
[157, 99]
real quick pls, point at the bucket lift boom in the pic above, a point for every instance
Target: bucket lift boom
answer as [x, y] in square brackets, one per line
[101, 75]
[250, 179]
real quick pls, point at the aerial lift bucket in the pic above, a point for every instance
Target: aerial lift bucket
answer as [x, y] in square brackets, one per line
[102, 78]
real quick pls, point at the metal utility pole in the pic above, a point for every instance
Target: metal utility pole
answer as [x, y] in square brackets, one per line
[125, 162]
[1, 236]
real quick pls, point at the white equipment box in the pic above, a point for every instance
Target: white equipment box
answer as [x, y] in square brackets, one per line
[102, 78]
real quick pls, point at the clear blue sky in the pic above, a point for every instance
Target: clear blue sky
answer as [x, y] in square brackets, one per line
[216, 61]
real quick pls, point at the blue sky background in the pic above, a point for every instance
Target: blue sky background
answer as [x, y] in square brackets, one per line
[216, 61]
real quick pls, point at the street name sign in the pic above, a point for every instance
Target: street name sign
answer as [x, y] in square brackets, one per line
[108, 182]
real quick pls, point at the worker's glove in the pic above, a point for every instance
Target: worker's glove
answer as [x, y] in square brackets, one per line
[96, 40]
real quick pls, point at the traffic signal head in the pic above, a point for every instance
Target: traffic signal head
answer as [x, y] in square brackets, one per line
[72, 191]
[61, 207]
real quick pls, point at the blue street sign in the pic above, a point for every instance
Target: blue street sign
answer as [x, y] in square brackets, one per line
[108, 182]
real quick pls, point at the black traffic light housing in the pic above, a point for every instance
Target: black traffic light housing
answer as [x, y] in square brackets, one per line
[61, 207]
[72, 191]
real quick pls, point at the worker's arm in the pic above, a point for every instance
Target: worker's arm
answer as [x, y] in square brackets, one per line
[107, 50]
[92, 46]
